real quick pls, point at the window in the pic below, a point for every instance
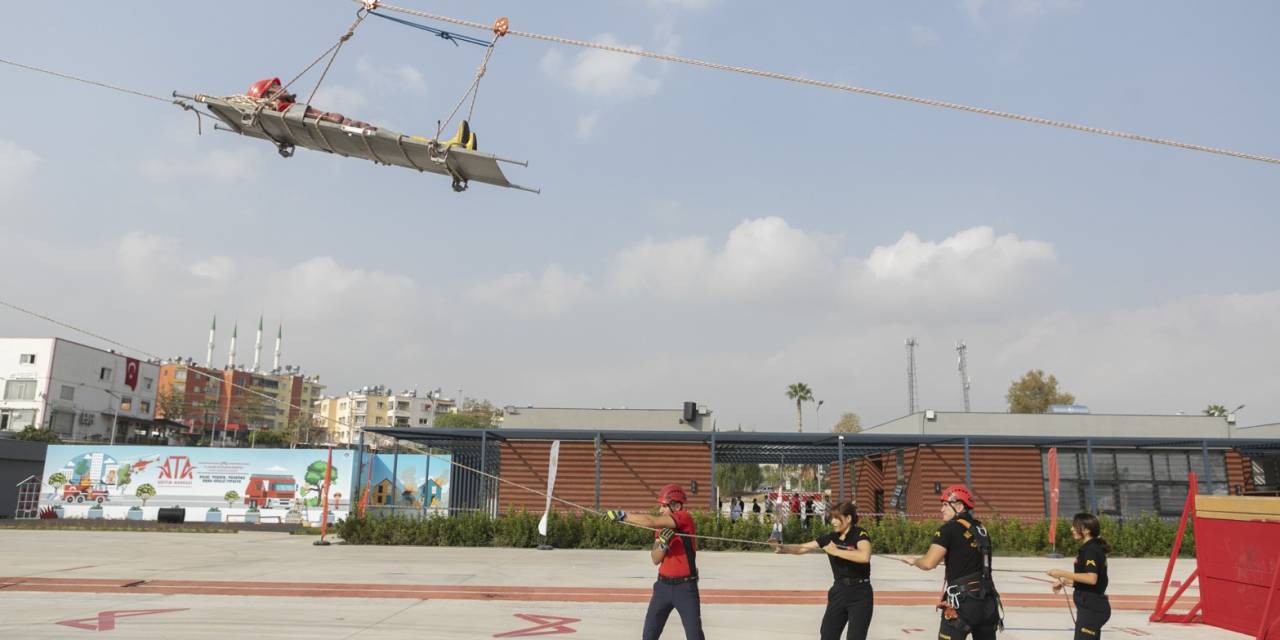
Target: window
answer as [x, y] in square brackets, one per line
[27, 358]
[1131, 483]
[424, 421]
[180, 375]
[147, 382]
[146, 406]
[379, 404]
[17, 419]
[68, 393]
[63, 423]
[20, 390]
[126, 403]
[377, 420]
[104, 374]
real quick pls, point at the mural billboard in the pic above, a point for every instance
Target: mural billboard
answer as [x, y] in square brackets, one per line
[282, 484]
[422, 481]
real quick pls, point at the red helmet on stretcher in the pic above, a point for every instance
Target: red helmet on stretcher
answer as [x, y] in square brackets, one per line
[672, 493]
[263, 88]
[957, 492]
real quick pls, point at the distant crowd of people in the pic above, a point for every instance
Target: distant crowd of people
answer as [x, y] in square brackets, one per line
[807, 510]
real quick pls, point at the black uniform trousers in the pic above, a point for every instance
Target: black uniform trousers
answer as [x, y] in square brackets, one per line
[848, 605]
[977, 617]
[1092, 611]
[682, 597]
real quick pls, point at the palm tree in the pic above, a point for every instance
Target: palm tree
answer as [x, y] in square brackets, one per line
[800, 392]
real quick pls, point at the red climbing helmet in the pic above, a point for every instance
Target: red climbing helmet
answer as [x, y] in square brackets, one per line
[957, 492]
[262, 88]
[671, 493]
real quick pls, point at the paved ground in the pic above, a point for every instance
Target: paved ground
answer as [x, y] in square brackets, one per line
[58, 584]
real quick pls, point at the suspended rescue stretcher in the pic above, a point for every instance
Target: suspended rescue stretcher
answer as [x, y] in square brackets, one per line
[297, 125]
[269, 112]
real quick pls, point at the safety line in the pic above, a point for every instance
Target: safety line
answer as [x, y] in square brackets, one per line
[246, 389]
[843, 87]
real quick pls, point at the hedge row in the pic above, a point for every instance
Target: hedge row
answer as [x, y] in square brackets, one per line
[1134, 537]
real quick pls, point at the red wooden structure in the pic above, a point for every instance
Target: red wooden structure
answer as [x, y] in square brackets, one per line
[1237, 565]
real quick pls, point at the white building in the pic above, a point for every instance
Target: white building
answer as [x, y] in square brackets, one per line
[377, 406]
[75, 390]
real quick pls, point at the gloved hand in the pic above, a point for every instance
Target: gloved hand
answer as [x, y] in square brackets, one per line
[664, 538]
[616, 515]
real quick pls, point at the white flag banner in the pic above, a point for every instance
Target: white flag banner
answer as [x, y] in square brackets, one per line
[551, 484]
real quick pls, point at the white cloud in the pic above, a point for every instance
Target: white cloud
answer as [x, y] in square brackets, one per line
[338, 98]
[922, 36]
[587, 125]
[17, 165]
[550, 294]
[601, 74]
[219, 164]
[764, 260]
[401, 77]
[214, 268]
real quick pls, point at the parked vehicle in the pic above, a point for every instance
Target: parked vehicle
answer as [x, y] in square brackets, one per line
[270, 491]
[79, 493]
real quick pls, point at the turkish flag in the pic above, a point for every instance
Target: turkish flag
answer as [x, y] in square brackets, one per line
[131, 373]
[1053, 496]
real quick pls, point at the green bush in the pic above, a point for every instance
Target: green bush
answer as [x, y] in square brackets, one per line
[1136, 537]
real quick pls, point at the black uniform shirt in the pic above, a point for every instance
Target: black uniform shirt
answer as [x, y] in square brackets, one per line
[841, 568]
[961, 543]
[1092, 559]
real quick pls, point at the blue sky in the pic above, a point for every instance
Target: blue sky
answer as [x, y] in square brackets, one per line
[700, 235]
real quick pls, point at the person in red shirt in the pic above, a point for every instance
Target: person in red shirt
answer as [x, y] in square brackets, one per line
[270, 90]
[675, 552]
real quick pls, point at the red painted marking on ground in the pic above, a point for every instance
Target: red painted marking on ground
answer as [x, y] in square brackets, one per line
[106, 620]
[507, 593]
[547, 626]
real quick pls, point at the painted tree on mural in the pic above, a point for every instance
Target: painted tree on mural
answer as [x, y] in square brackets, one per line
[56, 481]
[230, 497]
[144, 492]
[124, 476]
[315, 481]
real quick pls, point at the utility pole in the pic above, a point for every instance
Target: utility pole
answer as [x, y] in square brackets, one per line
[911, 375]
[963, 350]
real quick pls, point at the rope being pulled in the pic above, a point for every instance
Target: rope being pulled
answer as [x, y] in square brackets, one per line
[186, 106]
[836, 86]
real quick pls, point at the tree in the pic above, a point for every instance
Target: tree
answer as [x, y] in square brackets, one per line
[171, 405]
[306, 428]
[56, 481]
[1216, 410]
[735, 479]
[230, 497]
[124, 476]
[800, 392]
[463, 421]
[315, 479]
[270, 439]
[849, 423]
[145, 491]
[1033, 393]
[475, 414]
[36, 434]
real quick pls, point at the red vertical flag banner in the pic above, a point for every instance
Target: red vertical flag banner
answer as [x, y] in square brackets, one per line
[1053, 497]
[131, 373]
[324, 497]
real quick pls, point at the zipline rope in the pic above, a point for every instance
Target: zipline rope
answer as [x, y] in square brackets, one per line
[246, 389]
[842, 87]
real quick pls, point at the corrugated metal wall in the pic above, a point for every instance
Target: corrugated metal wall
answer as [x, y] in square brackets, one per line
[1239, 472]
[1007, 481]
[630, 473]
